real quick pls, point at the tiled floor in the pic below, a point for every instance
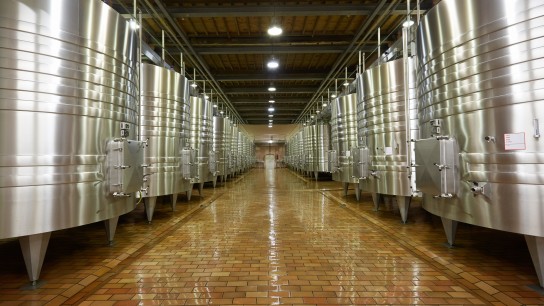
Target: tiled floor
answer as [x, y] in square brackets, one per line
[272, 237]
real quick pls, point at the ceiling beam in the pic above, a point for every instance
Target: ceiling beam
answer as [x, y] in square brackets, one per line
[278, 49]
[259, 76]
[263, 91]
[271, 11]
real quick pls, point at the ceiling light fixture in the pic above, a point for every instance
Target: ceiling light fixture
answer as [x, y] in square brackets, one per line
[221, 112]
[408, 23]
[270, 109]
[134, 24]
[215, 106]
[324, 104]
[194, 85]
[271, 101]
[271, 88]
[270, 116]
[333, 96]
[346, 83]
[273, 64]
[270, 120]
[275, 30]
[270, 125]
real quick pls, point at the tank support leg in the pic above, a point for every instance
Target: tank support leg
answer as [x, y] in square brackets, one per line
[316, 174]
[345, 185]
[150, 204]
[214, 181]
[536, 248]
[357, 191]
[377, 199]
[450, 227]
[174, 200]
[111, 226]
[190, 192]
[404, 206]
[34, 248]
[200, 188]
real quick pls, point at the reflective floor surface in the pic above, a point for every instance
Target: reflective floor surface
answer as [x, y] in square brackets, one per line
[272, 236]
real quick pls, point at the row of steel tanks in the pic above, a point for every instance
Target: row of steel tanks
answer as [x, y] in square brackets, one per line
[457, 124]
[480, 159]
[88, 132]
[307, 150]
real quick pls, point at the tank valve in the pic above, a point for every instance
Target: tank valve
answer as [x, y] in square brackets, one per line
[375, 174]
[441, 167]
[478, 188]
[490, 139]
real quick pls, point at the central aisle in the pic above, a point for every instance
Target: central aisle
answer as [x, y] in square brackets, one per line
[270, 240]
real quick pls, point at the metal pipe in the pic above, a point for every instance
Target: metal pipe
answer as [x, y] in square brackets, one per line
[359, 67]
[364, 59]
[181, 64]
[418, 12]
[379, 46]
[163, 48]
[408, 129]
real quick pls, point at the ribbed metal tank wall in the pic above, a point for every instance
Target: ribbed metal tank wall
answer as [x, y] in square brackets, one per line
[388, 129]
[69, 88]
[308, 148]
[200, 136]
[234, 150]
[344, 136]
[163, 107]
[480, 91]
[221, 143]
[300, 150]
[323, 146]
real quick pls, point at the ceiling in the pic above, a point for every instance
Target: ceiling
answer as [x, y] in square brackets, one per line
[225, 46]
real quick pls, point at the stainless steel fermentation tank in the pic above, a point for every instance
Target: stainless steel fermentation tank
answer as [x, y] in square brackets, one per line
[308, 149]
[200, 139]
[164, 114]
[68, 117]
[387, 125]
[480, 90]
[316, 145]
[344, 140]
[221, 144]
[233, 160]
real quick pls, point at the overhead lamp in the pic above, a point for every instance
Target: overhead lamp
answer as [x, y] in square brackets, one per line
[221, 112]
[273, 64]
[270, 141]
[270, 120]
[317, 112]
[270, 116]
[270, 125]
[324, 104]
[134, 24]
[206, 97]
[194, 85]
[312, 116]
[333, 96]
[304, 123]
[408, 23]
[270, 109]
[274, 30]
[271, 101]
[215, 106]
[271, 88]
[346, 83]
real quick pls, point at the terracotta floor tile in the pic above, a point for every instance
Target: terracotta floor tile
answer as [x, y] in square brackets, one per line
[274, 237]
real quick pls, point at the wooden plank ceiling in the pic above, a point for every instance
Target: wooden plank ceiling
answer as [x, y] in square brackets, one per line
[227, 44]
